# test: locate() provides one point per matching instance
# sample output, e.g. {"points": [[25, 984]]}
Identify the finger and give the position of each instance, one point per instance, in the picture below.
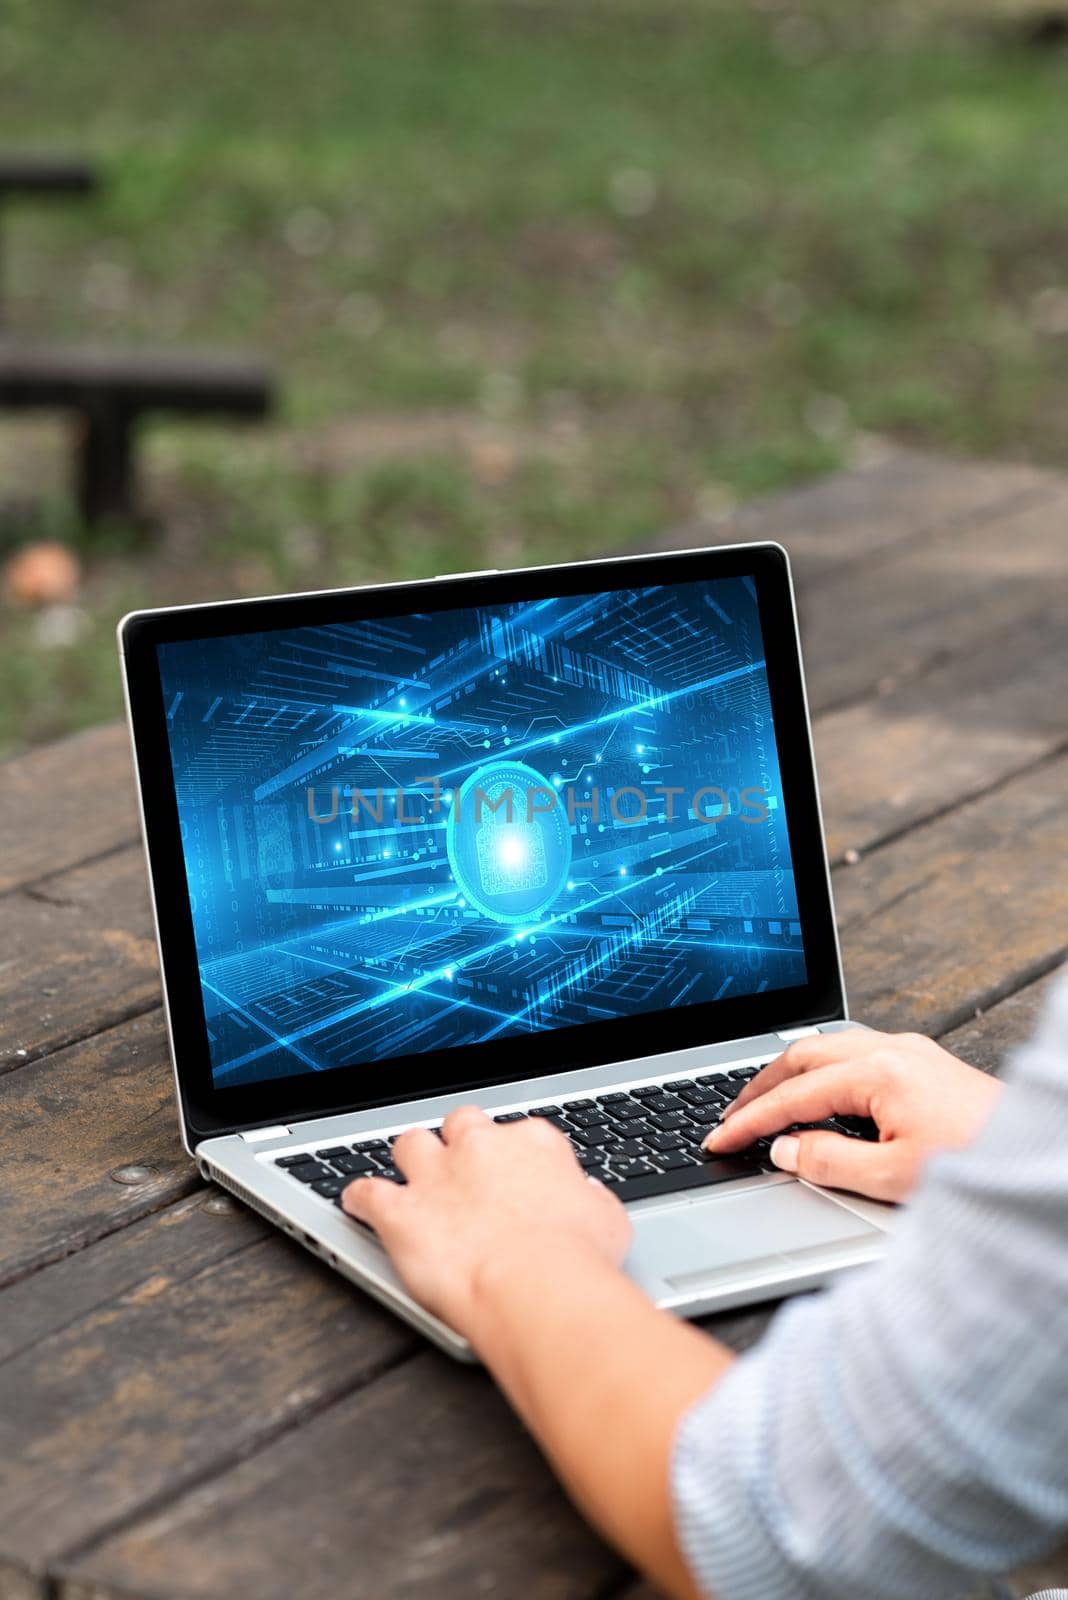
{"points": [[463, 1121], [843, 1089], [835, 1162], [372, 1200], [417, 1151], [805, 1055]]}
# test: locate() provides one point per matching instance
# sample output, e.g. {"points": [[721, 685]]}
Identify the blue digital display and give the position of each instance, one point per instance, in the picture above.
{"points": [[429, 831]]}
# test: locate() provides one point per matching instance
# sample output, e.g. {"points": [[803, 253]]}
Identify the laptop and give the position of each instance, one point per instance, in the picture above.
{"points": [[547, 842]]}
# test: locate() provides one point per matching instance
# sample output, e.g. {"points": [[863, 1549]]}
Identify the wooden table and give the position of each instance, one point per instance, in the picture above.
{"points": [[191, 1406]]}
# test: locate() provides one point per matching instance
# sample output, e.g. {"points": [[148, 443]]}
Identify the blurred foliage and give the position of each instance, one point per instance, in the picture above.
{"points": [[540, 278]]}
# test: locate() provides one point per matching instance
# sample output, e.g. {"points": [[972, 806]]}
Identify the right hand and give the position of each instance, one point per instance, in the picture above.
{"points": [[921, 1098]]}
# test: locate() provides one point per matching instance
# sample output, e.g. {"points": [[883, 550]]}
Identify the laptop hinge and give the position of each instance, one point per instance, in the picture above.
{"points": [[255, 1135], [796, 1033]]}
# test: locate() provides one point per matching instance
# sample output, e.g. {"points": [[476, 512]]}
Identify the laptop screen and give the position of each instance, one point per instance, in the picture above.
{"points": [[438, 830]]}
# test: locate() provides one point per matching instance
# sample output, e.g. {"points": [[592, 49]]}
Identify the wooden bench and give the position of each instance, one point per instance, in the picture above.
{"points": [[190, 1405], [110, 390]]}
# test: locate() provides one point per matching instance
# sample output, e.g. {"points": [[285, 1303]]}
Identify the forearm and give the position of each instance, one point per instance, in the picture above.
{"points": [[601, 1378]]}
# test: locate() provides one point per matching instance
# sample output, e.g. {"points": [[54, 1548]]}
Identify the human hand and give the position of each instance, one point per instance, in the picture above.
{"points": [[481, 1193], [921, 1098]]}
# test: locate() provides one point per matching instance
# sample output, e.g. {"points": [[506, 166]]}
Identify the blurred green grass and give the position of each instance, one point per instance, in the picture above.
{"points": [[540, 278]]}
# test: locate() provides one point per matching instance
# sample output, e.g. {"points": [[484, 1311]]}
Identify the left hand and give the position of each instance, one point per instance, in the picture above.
{"points": [[480, 1194]]}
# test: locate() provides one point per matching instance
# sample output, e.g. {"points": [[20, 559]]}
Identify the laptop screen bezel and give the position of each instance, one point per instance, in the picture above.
{"points": [[208, 1110]]}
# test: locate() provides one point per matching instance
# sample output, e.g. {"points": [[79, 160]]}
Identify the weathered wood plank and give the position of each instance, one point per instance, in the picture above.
{"points": [[421, 1485], [66, 803], [889, 762], [77, 954], [960, 911], [868, 625], [987, 1039], [205, 1341], [845, 520], [180, 1239], [67, 1123]]}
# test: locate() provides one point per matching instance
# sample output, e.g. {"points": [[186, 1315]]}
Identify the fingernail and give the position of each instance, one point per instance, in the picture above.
{"points": [[710, 1140], [785, 1152]]}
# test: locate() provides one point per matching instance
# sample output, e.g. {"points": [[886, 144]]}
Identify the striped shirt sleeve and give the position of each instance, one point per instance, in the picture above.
{"points": [[907, 1431]]}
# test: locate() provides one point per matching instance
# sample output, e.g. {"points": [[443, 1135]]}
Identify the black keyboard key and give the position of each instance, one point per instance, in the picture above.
{"points": [[355, 1166], [611, 1099], [743, 1074], [334, 1150], [630, 1148], [590, 1137], [635, 1169], [292, 1161], [700, 1175], [593, 1118], [633, 1128], [544, 1111], [589, 1159], [625, 1108], [678, 1084], [704, 1116], [712, 1080], [369, 1145], [670, 1122], [329, 1188], [391, 1173], [665, 1141], [578, 1105], [646, 1091], [310, 1172], [511, 1116], [703, 1097], [671, 1160], [664, 1102]]}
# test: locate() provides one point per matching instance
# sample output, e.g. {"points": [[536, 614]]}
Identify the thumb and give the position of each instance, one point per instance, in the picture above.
{"points": [[835, 1162]]}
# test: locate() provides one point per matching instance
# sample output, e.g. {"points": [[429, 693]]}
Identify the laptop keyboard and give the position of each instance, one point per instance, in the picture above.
{"points": [[643, 1141]]}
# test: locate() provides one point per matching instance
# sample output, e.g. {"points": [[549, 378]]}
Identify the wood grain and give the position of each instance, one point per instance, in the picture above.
{"points": [[843, 522], [987, 1039], [65, 803], [421, 1486], [68, 1122], [181, 1238], [961, 587], [961, 911], [77, 955], [890, 762], [205, 1340]]}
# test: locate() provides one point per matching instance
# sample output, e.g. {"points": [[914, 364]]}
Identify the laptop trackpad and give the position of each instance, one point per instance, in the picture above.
{"points": [[698, 1246]]}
